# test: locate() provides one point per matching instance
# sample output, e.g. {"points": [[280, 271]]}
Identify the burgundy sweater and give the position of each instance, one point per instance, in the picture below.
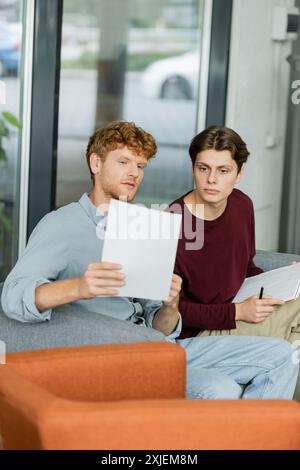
{"points": [[213, 274]]}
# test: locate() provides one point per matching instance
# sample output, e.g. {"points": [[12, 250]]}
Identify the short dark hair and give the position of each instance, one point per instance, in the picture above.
{"points": [[120, 134], [220, 138]]}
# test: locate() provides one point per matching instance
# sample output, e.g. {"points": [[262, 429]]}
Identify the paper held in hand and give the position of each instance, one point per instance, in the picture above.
{"points": [[282, 284], [144, 241]]}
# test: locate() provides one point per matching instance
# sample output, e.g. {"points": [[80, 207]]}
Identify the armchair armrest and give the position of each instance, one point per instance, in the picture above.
{"points": [[176, 425], [105, 372], [58, 399], [41, 421]]}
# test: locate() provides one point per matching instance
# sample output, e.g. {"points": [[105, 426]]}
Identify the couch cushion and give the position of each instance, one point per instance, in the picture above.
{"points": [[72, 326], [268, 260]]}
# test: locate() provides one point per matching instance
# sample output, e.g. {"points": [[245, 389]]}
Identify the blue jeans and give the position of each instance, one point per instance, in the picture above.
{"points": [[239, 367]]}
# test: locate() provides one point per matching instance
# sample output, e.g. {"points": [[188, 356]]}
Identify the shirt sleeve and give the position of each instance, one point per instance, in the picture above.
{"points": [[44, 258], [252, 269], [176, 332], [148, 310], [207, 317]]}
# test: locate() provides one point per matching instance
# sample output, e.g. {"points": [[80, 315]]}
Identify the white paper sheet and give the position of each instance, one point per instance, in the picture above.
{"points": [[281, 283], [144, 241]]}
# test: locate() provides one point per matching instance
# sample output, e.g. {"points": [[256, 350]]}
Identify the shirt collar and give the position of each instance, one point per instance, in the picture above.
{"points": [[91, 210]]}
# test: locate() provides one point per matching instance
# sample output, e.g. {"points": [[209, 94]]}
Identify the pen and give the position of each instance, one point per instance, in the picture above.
{"points": [[261, 292]]}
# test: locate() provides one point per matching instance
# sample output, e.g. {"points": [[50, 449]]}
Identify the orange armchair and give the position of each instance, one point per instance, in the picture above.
{"points": [[128, 396]]}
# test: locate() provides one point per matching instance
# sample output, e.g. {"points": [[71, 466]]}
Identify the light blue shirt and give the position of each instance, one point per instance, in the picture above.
{"points": [[61, 246]]}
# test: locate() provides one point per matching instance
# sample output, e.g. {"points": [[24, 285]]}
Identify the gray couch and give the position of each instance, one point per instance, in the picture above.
{"points": [[72, 326]]}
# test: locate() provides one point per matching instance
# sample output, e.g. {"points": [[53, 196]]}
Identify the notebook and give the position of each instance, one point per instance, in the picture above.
{"points": [[282, 284]]}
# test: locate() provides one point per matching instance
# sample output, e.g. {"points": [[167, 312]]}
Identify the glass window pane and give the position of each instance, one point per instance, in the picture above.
{"points": [[133, 60], [10, 54]]}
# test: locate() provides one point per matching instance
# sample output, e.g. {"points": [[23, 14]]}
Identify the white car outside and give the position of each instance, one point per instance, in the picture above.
{"points": [[173, 78]]}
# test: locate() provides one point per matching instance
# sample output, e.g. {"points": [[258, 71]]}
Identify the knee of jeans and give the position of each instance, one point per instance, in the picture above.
{"points": [[226, 390], [285, 352], [218, 388]]}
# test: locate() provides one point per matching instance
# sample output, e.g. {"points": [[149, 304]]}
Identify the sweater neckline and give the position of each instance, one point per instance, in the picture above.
{"points": [[207, 223]]}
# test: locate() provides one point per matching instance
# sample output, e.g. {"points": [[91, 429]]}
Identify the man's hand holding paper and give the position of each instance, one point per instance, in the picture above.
{"points": [[100, 279], [173, 297]]}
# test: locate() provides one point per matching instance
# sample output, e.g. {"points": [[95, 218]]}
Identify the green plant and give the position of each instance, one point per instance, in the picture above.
{"points": [[7, 120]]}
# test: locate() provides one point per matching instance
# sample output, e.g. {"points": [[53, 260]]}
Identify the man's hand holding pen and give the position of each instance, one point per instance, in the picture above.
{"points": [[256, 309]]}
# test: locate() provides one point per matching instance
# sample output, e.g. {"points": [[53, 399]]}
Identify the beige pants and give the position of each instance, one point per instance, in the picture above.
{"points": [[283, 323]]}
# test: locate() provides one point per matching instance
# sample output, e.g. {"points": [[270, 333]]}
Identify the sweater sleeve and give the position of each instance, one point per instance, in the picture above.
{"points": [[252, 269], [207, 317]]}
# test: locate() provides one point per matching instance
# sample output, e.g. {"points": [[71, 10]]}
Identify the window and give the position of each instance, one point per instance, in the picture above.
{"points": [[11, 26], [133, 60]]}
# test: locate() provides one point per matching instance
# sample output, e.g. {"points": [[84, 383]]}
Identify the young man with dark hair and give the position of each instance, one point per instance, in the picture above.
{"points": [[61, 265], [213, 274]]}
